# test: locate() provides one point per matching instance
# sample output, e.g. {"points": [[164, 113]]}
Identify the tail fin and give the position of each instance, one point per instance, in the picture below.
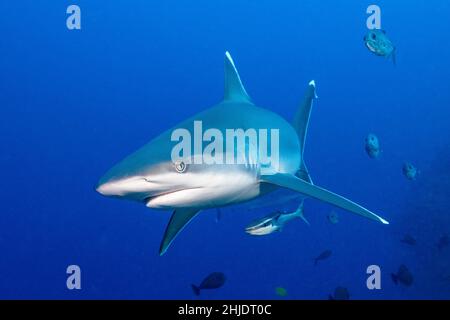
{"points": [[301, 118], [195, 289], [300, 124], [300, 213]]}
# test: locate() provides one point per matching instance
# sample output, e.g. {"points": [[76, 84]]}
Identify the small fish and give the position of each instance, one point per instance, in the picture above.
{"points": [[443, 242], [372, 146], [324, 255], [409, 171], [275, 222], [378, 43], [333, 217], [403, 276], [280, 291], [213, 281], [408, 239], [340, 293]]}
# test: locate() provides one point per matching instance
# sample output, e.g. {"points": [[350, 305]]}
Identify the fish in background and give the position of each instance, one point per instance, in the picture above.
{"points": [[333, 217], [323, 256], [409, 171], [409, 239], [340, 293], [280, 291], [275, 222], [443, 242], [213, 281], [372, 146], [378, 43], [403, 276]]}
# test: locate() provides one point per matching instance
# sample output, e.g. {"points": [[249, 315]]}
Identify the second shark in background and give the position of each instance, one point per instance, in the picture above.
{"points": [[275, 222]]}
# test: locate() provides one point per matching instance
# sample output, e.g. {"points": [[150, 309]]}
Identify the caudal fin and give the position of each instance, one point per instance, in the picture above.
{"points": [[300, 124], [300, 213], [195, 289]]}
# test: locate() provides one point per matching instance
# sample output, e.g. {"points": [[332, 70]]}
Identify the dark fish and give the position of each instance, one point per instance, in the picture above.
{"points": [[324, 255], [409, 171], [333, 217], [372, 146], [443, 242], [408, 239], [280, 291], [340, 293], [403, 276], [379, 44], [213, 281]]}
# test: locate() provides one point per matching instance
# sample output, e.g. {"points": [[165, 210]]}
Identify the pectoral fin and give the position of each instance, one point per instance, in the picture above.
{"points": [[291, 182], [180, 218]]}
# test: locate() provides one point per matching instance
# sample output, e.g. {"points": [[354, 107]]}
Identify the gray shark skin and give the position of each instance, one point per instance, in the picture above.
{"points": [[150, 176]]}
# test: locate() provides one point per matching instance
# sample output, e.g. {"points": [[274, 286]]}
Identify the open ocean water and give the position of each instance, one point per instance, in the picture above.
{"points": [[75, 102]]}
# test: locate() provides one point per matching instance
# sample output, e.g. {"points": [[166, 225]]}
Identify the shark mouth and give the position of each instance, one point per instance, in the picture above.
{"points": [[260, 227], [146, 200], [150, 200]]}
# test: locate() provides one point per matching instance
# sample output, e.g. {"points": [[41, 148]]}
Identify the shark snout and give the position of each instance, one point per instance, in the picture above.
{"points": [[135, 188], [106, 189]]}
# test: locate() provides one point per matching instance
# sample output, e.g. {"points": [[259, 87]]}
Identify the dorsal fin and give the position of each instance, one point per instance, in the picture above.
{"points": [[234, 90]]}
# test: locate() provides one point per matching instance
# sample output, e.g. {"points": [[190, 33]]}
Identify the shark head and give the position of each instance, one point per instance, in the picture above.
{"points": [[143, 175], [264, 226], [152, 175], [149, 182], [162, 183]]}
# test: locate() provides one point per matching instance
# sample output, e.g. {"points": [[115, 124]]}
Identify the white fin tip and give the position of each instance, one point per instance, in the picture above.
{"points": [[228, 55]]}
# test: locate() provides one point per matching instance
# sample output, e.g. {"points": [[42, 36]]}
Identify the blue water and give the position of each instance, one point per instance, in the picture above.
{"points": [[73, 103]]}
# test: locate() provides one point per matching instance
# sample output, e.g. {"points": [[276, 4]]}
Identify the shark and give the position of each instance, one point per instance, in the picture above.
{"points": [[275, 221], [151, 176]]}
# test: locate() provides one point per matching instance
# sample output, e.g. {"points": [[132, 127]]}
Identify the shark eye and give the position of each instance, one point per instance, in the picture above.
{"points": [[180, 166], [374, 36]]}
